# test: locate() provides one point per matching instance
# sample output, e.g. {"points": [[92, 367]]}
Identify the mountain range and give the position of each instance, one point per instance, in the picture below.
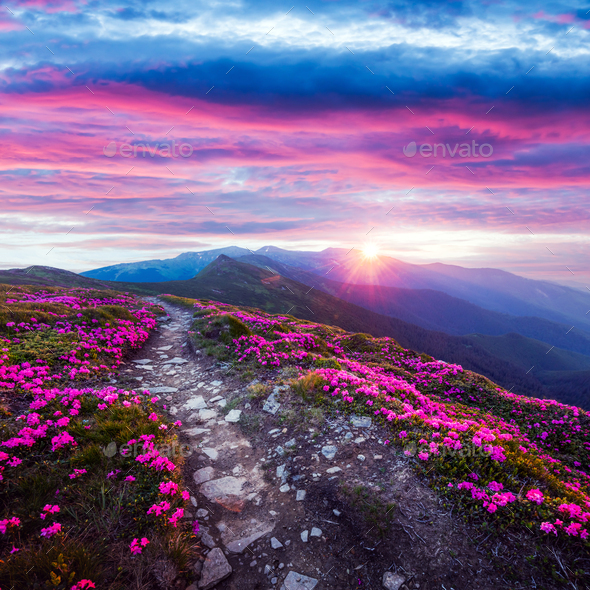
{"points": [[536, 352]]}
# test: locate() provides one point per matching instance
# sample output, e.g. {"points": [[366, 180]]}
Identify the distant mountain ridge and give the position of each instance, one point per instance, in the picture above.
{"points": [[182, 267], [435, 310], [564, 375], [232, 281]]}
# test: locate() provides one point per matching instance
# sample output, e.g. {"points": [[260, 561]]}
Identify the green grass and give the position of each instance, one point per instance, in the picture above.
{"points": [[99, 513]]}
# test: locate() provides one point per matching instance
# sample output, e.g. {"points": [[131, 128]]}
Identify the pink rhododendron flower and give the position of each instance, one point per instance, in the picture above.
{"points": [[48, 509], [9, 522], [535, 496], [52, 530], [136, 546]]}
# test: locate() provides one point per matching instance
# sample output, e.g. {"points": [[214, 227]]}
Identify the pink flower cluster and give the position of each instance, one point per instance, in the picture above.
{"points": [[137, 546]]}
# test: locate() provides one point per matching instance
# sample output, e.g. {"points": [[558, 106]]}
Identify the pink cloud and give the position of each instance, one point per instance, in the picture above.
{"points": [[260, 173]]}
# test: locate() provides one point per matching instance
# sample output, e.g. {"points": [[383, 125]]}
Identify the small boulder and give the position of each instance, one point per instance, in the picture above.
{"points": [[215, 569], [392, 581]]}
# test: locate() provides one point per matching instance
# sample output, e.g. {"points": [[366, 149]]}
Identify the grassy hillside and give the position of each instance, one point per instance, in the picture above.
{"points": [[234, 282], [435, 310], [74, 512], [515, 467]]}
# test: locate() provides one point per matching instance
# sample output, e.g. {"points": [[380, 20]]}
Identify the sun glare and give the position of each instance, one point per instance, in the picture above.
{"points": [[370, 251]]}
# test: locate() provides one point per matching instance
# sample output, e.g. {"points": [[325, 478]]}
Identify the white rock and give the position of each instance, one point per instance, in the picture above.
{"points": [[211, 453], [165, 347], [275, 543], [215, 569], [205, 415], [300, 495], [305, 536], [223, 487], [143, 361], [202, 475], [329, 451], [271, 405], [333, 470], [359, 440], [315, 532], [196, 431], [163, 389], [295, 581], [215, 399], [195, 403], [361, 421], [176, 361], [285, 488], [360, 457], [392, 581], [233, 416]]}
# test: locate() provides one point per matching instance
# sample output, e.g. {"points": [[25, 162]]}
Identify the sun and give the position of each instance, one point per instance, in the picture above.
{"points": [[371, 251]]}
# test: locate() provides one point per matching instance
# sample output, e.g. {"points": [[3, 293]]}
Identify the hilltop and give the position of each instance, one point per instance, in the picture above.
{"points": [[470, 474]]}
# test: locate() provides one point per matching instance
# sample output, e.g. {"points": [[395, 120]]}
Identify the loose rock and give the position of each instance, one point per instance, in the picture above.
{"points": [[392, 581], [215, 569]]}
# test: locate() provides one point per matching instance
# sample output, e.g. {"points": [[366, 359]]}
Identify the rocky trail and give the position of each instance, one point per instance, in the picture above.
{"points": [[288, 502]]}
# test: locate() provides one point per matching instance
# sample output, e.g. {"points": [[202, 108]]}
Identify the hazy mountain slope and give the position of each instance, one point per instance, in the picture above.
{"points": [[503, 292], [435, 310], [47, 275], [182, 267], [235, 282], [491, 289]]}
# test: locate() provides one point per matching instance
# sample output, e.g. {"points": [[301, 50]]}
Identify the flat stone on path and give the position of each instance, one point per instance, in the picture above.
{"points": [[392, 581], [275, 543], [233, 416], [205, 415], [251, 531], [163, 389], [176, 361], [300, 495], [216, 383], [211, 453], [315, 532], [361, 421], [215, 569], [195, 403], [143, 361], [223, 487], [202, 475], [165, 347], [196, 431], [295, 581], [305, 536], [333, 470], [329, 452]]}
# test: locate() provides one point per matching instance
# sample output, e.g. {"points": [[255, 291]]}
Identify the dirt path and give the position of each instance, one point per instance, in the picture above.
{"points": [[295, 504]]}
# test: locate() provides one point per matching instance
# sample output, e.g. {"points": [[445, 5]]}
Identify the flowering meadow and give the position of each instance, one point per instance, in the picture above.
{"points": [[512, 464], [88, 489]]}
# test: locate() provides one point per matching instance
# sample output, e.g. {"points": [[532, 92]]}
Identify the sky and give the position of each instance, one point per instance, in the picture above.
{"points": [[451, 131]]}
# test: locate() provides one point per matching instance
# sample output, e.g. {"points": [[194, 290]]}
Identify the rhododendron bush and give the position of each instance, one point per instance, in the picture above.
{"points": [[64, 497], [512, 459]]}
